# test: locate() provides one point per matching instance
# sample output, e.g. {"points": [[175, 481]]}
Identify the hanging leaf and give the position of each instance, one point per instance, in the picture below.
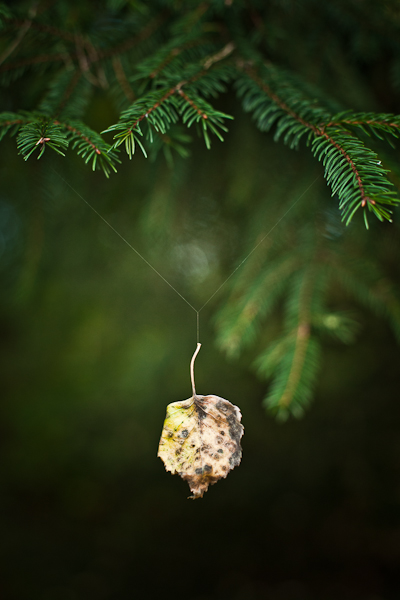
{"points": [[200, 439]]}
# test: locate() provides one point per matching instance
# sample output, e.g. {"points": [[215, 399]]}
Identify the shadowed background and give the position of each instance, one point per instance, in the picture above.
{"points": [[94, 345]]}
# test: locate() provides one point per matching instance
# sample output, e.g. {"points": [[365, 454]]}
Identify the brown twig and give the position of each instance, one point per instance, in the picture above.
{"points": [[79, 133], [146, 32], [150, 110], [369, 122], [25, 26], [303, 332], [189, 101], [15, 122], [119, 49], [40, 58], [174, 52], [226, 51], [72, 85], [59, 33], [122, 80]]}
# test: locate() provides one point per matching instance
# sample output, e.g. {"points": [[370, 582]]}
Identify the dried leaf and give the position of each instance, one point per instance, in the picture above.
{"points": [[201, 440]]}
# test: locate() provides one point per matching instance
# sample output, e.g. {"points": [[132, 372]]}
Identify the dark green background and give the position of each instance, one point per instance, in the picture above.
{"points": [[94, 345]]}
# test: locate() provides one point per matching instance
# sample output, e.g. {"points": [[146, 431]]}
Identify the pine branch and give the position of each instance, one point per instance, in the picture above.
{"points": [[176, 139], [122, 79], [10, 123], [169, 61], [194, 109], [83, 51], [25, 26], [36, 132], [38, 59], [294, 376], [353, 170], [160, 110], [354, 173], [156, 108], [149, 29], [239, 321], [90, 146], [179, 66], [39, 134], [42, 27], [67, 97], [369, 123]]}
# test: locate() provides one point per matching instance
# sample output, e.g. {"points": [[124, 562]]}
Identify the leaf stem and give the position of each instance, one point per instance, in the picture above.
{"points": [[192, 369]]}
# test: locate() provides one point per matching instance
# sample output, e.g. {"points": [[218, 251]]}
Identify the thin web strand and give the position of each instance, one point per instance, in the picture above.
{"points": [[260, 242], [126, 242], [159, 274]]}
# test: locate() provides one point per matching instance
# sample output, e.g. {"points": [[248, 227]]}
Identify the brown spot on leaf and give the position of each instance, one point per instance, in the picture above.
{"points": [[234, 459]]}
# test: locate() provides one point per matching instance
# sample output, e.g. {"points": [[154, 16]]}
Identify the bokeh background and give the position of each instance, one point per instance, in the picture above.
{"points": [[94, 345]]}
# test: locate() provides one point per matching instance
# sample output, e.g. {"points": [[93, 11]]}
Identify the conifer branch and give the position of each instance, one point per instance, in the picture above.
{"points": [[10, 123], [122, 79], [363, 184], [189, 63], [36, 132], [388, 123], [131, 42], [170, 66], [299, 356], [68, 92], [160, 109], [38, 59], [91, 147], [39, 134], [76, 133], [95, 55], [43, 27], [220, 55], [295, 375], [192, 104], [251, 301], [25, 26], [321, 132]]}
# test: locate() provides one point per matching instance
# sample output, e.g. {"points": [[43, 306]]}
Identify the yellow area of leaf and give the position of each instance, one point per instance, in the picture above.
{"points": [[200, 440]]}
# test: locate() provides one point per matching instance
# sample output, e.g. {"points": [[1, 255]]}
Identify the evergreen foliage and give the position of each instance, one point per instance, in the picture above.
{"points": [[167, 66], [170, 67]]}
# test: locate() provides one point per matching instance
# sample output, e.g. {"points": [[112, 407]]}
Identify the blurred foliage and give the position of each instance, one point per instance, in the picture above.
{"points": [[94, 345], [135, 70]]}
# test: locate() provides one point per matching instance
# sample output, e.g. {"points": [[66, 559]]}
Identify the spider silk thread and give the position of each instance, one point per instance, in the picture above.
{"points": [[197, 311]]}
